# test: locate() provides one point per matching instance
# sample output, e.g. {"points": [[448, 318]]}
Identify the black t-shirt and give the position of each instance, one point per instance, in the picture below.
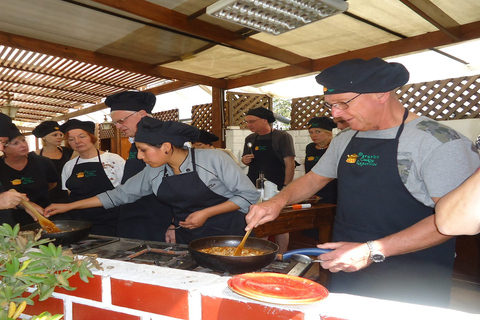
{"points": [[32, 180]]}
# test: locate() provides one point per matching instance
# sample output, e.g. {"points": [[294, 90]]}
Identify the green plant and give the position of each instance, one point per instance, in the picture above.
{"points": [[27, 273]]}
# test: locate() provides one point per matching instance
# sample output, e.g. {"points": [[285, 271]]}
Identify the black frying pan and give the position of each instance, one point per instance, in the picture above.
{"points": [[232, 264], [72, 231]]}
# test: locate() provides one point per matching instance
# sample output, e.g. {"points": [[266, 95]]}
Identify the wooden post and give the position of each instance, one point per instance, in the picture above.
{"points": [[218, 118]]}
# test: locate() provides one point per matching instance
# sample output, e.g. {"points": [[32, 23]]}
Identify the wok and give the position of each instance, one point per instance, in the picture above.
{"points": [[72, 231], [232, 264]]}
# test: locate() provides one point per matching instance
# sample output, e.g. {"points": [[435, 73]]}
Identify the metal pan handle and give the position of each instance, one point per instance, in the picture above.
{"points": [[305, 251]]}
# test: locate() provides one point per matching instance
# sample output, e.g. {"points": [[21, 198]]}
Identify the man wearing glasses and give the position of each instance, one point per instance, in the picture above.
{"points": [[392, 167], [146, 218]]}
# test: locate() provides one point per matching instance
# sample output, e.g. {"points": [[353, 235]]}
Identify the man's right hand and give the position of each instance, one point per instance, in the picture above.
{"points": [[246, 159], [10, 199], [262, 213]]}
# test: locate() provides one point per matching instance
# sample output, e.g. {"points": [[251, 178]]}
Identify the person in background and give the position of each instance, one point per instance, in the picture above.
{"points": [[272, 152], [30, 175], [147, 218], [341, 124], [392, 167], [320, 130], [208, 192], [458, 212], [90, 173], [206, 140], [52, 138]]}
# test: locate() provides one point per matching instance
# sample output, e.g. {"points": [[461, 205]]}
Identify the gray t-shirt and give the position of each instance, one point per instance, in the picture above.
{"points": [[282, 143], [433, 159], [214, 167]]}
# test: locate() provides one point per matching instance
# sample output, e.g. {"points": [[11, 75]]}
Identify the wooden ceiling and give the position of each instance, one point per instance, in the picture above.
{"points": [[61, 58]]}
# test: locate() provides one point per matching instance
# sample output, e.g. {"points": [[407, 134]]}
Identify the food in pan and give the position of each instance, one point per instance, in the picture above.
{"points": [[228, 251]]}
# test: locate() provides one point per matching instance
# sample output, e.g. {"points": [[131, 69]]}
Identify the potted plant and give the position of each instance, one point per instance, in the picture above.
{"points": [[27, 273]]}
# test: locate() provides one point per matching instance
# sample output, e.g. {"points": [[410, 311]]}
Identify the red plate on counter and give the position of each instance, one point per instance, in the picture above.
{"points": [[277, 288]]}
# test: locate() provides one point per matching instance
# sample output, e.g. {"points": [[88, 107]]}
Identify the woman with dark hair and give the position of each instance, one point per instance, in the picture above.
{"points": [[25, 172], [209, 194], [89, 174], [52, 138]]}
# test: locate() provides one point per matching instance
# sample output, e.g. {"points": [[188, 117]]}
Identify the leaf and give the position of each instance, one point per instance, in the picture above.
{"points": [[46, 294]]}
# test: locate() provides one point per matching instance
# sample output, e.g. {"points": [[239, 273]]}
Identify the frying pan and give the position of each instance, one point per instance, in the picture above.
{"points": [[241, 264], [72, 231], [232, 264]]}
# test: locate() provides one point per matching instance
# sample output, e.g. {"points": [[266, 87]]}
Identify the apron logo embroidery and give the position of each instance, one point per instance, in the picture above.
{"points": [[363, 159], [87, 174], [132, 155], [22, 180], [261, 148], [352, 158]]}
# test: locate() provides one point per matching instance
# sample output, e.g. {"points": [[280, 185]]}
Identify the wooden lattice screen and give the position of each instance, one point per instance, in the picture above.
{"points": [[202, 116], [239, 103], [449, 99], [106, 134], [457, 98], [168, 115]]}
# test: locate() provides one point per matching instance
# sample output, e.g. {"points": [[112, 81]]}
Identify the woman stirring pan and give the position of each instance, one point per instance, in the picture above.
{"points": [[52, 138], [208, 192], [91, 173]]}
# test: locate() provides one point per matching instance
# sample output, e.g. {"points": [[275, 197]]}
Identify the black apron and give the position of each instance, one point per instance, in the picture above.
{"points": [[147, 218], [328, 193], [267, 161], [57, 194], [187, 193], [87, 180], [373, 202]]}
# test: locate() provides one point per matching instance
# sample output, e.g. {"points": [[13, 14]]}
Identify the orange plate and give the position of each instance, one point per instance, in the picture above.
{"points": [[277, 288]]}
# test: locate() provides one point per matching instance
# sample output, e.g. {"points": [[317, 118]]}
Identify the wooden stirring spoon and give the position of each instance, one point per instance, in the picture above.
{"points": [[46, 224], [238, 251]]}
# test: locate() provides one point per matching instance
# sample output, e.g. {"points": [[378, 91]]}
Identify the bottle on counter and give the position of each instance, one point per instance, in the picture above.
{"points": [[260, 184]]}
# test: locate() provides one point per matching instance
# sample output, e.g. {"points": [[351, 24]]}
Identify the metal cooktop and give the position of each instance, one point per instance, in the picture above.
{"points": [[168, 255]]}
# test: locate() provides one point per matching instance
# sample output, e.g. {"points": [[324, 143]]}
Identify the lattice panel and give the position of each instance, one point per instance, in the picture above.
{"points": [[240, 103], [303, 109], [106, 134], [457, 98], [202, 116], [168, 115]]}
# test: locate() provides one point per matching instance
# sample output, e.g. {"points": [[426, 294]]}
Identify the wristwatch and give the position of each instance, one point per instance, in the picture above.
{"points": [[375, 255]]}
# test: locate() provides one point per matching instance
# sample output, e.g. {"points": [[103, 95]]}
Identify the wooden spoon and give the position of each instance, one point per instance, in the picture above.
{"points": [[46, 224], [238, 251]]}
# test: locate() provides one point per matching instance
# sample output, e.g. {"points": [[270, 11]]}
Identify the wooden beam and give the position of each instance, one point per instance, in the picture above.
{"points": [[202, 29], [54, 49], [169, 87], [426, 41], [436, 16]]}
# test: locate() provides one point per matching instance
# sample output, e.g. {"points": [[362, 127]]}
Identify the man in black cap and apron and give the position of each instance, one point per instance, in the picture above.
{"points": [[146, 218], [392, 167], [270, 151]]}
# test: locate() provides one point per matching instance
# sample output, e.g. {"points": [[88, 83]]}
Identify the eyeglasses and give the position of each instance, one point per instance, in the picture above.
{"points": [[122, 121], [251, 121], [15, 143], [340, 105]]}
